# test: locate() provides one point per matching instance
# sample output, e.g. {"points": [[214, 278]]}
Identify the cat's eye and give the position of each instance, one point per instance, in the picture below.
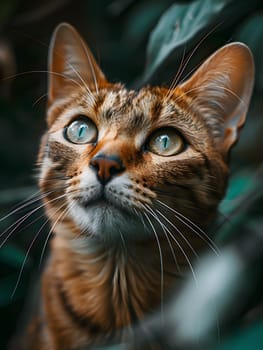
{"points": [[166, 142], [81, 131]]}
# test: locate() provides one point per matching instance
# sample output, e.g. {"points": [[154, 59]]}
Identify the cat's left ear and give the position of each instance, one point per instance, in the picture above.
{"points": [[71, 64], [221, 89]]}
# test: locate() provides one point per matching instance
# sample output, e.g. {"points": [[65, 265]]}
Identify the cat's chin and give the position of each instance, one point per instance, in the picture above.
{"points": [[108, 222]]}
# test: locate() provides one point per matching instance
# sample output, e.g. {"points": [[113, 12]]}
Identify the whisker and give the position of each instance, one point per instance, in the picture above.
{"points": [[196, 229], [18, 223], [82, 80], [14, 226], [39, 99], [42, 71], [77, 73], [23, 204], [180, 233], [163, 226], [123, 241], [91, 66], [27, 254], [174, 81], [183, 252], [32, 199], [161, 260], [218, 87], [64, 76], [140, 215], [60, 217], [191, 55], [32, 222]]}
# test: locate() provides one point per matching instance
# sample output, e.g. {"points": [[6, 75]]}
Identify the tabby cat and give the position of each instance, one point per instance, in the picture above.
{"points": [[130, 179]]}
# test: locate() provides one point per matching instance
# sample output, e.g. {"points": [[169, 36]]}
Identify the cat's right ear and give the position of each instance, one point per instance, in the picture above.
{"points": [[71, 64], [220, 90]]}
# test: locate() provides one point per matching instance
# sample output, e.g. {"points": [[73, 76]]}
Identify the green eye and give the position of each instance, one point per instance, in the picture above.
{"points": [[81, 131], [166, 142]]}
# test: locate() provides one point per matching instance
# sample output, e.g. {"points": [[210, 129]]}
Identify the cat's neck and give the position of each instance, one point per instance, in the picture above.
{"points": [[101, 290], [114, 286]]}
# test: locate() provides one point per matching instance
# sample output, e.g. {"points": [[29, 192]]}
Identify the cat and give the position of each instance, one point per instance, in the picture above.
{"points": [[130, 179]]}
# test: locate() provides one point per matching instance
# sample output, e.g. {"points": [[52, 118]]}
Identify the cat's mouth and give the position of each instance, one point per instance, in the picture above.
{"points": [[107, 216], [103, 201]]}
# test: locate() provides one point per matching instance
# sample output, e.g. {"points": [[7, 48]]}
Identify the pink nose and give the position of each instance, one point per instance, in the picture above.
{"points": [[106, 167]]}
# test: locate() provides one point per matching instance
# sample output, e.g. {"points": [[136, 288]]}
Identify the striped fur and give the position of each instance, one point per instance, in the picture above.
{"points": [[118, 249]]}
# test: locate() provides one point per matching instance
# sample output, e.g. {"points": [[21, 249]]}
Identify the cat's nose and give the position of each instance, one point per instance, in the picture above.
{"points": [[106, 166]]}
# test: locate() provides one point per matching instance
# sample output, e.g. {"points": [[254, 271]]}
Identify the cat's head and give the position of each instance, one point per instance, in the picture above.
{"points": [[121, 162]]}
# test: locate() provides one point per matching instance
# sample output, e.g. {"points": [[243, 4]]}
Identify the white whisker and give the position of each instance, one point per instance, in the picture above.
{"points": [[178, 231], [19, 222], [164, 228], [26, 256], [59, 218], [91, 66], [30, 200], [175, 79], [196, 229], [183, 252], [184, 65], [161, 260]]}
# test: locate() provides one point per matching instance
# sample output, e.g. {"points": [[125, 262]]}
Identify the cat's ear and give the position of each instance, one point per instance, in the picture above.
{"points": [[71, 64], [221, 89]]}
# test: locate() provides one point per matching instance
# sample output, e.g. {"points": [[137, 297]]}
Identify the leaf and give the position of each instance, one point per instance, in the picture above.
{"points": [[245, 193], [251, 338], [141, 20], [251, 33], [184, 23], [12, 256], [239, 186]]}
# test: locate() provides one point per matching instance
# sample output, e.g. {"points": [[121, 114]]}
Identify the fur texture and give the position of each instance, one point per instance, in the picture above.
{"points": [[124, 218]]}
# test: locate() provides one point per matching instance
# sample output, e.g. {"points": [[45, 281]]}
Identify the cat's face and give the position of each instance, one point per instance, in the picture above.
{"points": [[122, 152], [117, 162]]}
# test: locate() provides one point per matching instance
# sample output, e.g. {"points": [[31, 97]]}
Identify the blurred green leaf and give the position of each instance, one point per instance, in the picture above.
{"points": [[247, 339], [251, 33], [12, 256], [240, 185], [141, 20], [185, 23], [178, 25], [245, 192]]}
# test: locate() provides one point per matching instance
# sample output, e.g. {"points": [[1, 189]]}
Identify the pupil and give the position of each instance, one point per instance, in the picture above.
{"points": [[81, 131], [165, 141]]}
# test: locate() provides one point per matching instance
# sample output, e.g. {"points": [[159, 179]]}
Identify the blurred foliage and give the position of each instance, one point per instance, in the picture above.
{"points": [[184, 24], [136, 42], [246, 339]]}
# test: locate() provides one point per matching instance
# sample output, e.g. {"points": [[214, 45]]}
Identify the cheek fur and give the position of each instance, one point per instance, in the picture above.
{"points": [[192, 186], [62, 156]]}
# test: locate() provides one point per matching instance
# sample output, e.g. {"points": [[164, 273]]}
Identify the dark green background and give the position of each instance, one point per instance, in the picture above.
{"points": [[134, 46]]}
